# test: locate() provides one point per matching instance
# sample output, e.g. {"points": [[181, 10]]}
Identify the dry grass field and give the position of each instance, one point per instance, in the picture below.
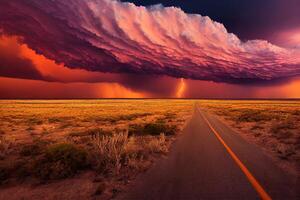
{"points": [[51, 141], [273, 125], [81, 149]]}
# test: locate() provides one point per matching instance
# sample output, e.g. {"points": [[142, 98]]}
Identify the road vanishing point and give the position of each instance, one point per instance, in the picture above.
{"points": [[210, 161]]}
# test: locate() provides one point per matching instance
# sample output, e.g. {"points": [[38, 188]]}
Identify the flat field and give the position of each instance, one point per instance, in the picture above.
{"points": [[82, 149], [46, 140], [56, 119], [272, 125]]}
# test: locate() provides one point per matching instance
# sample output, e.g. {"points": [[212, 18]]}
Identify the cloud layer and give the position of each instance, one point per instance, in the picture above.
{"points": [[13, 64], [110, 36]]}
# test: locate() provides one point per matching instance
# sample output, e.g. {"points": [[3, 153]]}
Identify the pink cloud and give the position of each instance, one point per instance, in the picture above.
{"points": [[111, 36]]}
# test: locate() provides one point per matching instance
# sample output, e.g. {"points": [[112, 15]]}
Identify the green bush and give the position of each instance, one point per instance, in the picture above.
{"points": [[60, 161]]}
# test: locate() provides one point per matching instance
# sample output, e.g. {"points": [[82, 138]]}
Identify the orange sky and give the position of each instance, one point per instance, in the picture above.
{"points": [[21, 88]]}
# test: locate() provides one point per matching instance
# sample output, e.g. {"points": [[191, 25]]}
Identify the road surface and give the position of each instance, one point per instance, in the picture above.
{"points": [[200, 167]]}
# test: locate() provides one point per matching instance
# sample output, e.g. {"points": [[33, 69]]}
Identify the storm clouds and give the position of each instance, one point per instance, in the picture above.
{"points": [[112, 36]]}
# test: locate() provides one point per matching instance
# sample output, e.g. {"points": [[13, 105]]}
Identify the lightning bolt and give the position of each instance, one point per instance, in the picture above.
{"points": [[181, 89]]}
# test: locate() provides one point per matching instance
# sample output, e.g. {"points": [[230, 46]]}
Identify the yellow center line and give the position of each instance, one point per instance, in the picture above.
{"points": [[259, 189]]}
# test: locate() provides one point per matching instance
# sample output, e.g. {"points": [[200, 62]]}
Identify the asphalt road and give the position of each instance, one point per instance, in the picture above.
{"points": [[200, 167]]}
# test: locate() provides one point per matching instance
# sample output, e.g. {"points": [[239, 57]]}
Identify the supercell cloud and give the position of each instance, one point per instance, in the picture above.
{"points": [[111, 36]]}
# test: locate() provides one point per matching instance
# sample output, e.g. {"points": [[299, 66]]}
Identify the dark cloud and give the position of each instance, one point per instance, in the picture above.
{"points": [[162, 86], [18, 68], [12, 64], [110, 36]]}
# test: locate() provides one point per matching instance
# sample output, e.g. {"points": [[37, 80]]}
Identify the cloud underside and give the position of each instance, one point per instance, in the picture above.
{"points": [[110, 36], [13, 64]]}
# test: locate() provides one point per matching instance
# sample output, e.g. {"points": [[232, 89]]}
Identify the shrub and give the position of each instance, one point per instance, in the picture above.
{"points": [[111, 151], [90, 132], [157, 145], [285, 151], [60, 161], [285, 125], [170, 115], [155, 128], [32, 149], [296, 112], [121, 151], [252, 116], [4, 174], [257, 127], [283, 130], [55, 120], [126, 117], [135, 129], [65, 125], [100, 189], [21, 169], [158, 128], [5, 147], [30, 128], [34, 121]]}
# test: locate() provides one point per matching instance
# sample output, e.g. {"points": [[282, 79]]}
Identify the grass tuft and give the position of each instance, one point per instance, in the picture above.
{"points": [[157, 145], [111, 151]]}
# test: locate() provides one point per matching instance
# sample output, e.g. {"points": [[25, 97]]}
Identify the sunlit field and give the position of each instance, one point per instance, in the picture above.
{"points": [[273, 125], [99, 146], [47, 140]]}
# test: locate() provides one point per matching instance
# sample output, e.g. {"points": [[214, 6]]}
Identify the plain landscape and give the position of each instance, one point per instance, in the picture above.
{"points": [[45, 141], [93, 148]]}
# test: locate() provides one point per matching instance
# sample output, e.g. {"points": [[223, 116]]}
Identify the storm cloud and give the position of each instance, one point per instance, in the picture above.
{"points": [[111, 36], [13, 64]]}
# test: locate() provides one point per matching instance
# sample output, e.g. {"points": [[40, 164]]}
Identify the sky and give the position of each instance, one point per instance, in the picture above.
{"points": [[149, 49]]}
